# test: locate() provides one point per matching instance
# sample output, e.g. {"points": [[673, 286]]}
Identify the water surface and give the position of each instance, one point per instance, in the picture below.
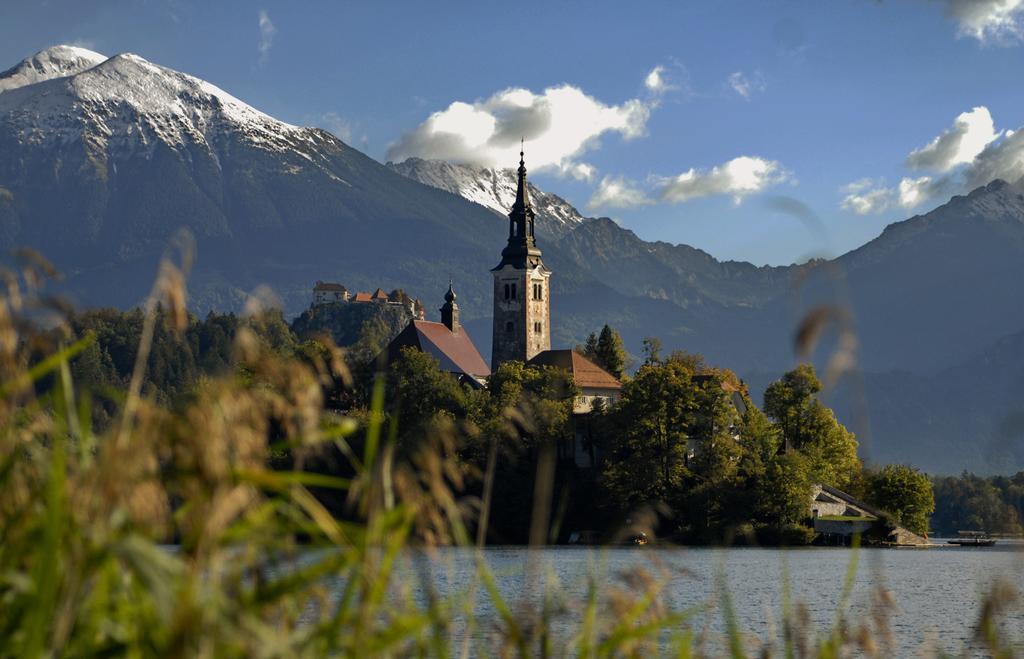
{"points": [[937, 593]]}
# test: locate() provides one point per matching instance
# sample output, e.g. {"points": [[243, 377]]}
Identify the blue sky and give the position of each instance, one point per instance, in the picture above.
{"points": [[761, 112]]}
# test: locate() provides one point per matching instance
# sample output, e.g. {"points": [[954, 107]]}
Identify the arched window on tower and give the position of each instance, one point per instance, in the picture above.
{"points": [[507, 291], [513, 291], [509, 327]]}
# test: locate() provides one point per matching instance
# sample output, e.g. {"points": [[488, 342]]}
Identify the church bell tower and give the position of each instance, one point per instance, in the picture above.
{"points": [[522, 298]]}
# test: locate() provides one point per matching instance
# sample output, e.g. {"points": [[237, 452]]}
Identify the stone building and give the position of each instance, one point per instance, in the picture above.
{"points": [[838, 516], [331, 293], [522, 303], [325, 292]]}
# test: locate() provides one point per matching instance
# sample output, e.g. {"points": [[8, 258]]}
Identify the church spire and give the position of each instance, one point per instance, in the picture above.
{"points": [[522, 191], [521, 250]]}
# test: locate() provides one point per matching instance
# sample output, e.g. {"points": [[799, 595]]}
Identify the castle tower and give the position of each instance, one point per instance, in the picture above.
{"points": [[522, 300], [450, 311]]}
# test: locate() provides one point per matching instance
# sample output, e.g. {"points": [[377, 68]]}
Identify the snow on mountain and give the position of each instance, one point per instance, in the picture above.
{"points": [[55, 62], [63, 94], [492, 188]]}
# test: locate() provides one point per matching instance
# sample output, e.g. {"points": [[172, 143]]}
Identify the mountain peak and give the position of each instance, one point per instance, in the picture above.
{"points": [[493, 188], [127, 100], [54, 62]]}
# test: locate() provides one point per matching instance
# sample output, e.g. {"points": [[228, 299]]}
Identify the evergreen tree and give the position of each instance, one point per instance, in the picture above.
{"points": [[609, 352], [589, 349]]}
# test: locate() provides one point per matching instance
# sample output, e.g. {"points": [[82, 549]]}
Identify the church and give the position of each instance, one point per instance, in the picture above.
{"points": [[521, 329], [522, 300]]}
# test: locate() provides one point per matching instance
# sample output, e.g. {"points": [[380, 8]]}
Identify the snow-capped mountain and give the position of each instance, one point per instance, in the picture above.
{"points": [[65, 93], [494, 189], [103, 159], [56, 62]]}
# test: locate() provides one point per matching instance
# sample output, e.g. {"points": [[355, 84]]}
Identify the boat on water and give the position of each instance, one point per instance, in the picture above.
{"points": [[973, 539]]}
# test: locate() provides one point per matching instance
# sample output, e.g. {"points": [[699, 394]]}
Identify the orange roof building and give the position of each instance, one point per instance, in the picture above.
{"points": [[593, 381], [447, 341]]}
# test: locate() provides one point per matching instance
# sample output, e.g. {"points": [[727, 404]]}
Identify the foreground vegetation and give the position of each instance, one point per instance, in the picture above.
{"points": [[262, 567]]}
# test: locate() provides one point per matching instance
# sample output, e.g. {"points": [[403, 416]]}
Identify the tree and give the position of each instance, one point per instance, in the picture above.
{"points": [[527, 410], [589, 349], [808, 426], [611, 355], [904, 492], [714, 470], [972, 503], [782, 499], [419, 395], [647, 451], [606, 350], [652, 350]]}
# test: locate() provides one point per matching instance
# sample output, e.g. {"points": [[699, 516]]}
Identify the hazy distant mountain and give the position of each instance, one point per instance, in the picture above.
{"points": [[615, 255], [925, 294], [935, 289], [103, 159]]}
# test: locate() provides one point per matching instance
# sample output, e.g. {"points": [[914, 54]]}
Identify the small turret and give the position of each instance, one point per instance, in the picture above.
{"points": [[450, 311]]}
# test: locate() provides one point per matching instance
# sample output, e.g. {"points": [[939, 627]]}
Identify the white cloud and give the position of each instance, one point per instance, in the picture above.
{"points": [[988, 21], [88, 44], [267, 32], [1003, 159], [867, 197], [559, 125], [655, 81], [739, 177], [580, 171], [336, 124], [970, 154], [971, 133], [617, 192], [913, 191], [745, 86]]}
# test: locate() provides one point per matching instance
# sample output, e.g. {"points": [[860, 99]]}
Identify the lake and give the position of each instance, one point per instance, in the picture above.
{"points": [[937, 593]]}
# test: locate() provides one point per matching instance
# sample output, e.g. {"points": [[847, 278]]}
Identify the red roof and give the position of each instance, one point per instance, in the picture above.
{"points": [[456, 352], [584, 372], [379, 294], [363, 297]]}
